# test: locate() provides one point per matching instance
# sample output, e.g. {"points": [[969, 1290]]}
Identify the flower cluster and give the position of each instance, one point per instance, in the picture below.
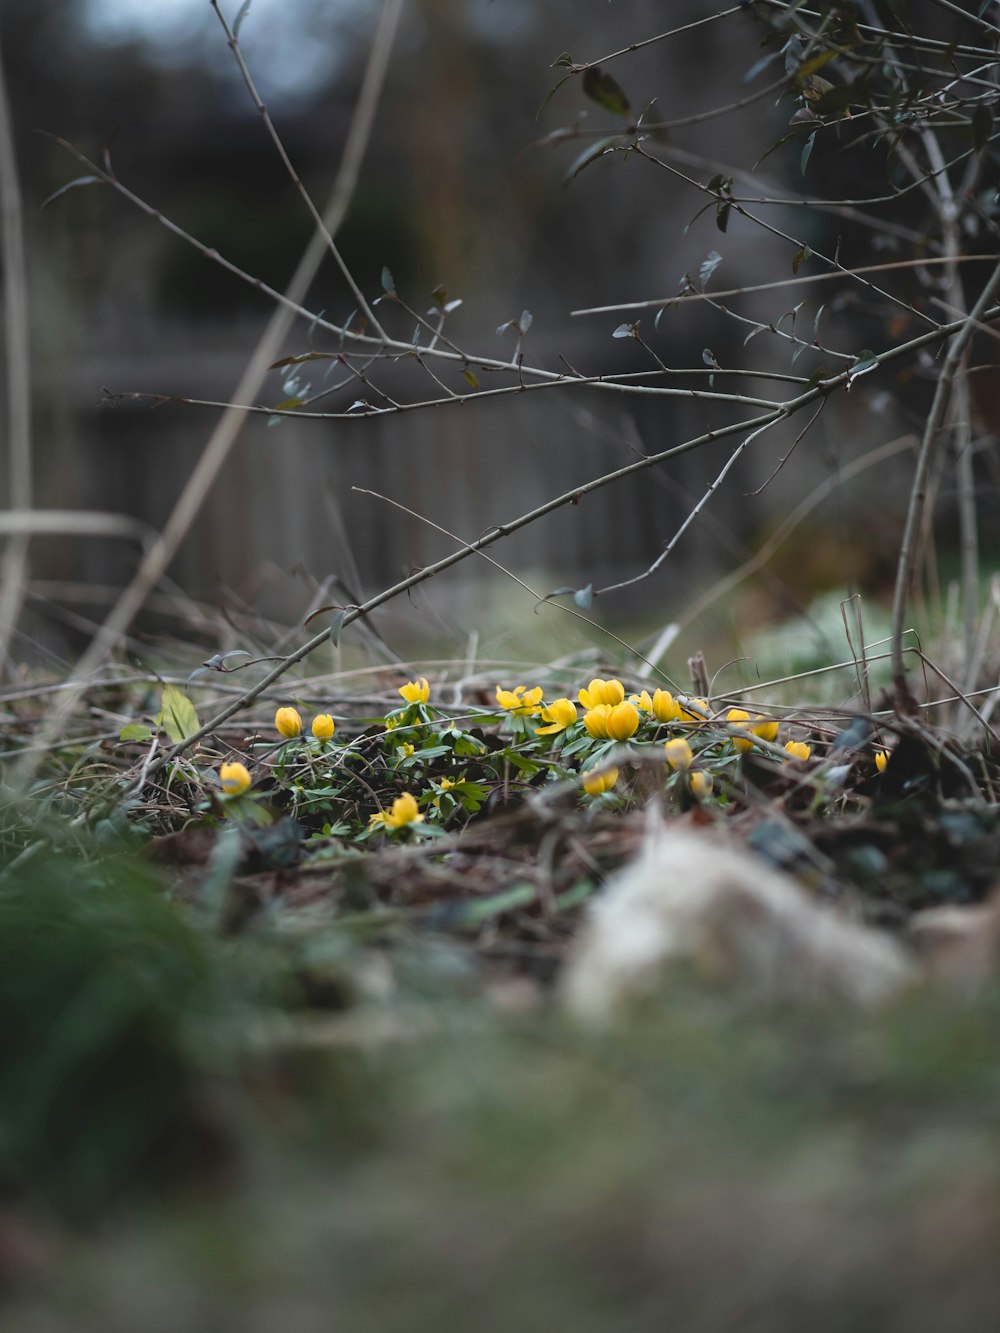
{"points": [[288, 723], [439, 770]]}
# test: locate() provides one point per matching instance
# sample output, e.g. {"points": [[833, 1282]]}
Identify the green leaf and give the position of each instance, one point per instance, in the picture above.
{"points": [[819, 374], [722, 216], [388, 282], [177, 714], [336, 625], [470, 378], [866, 360], [605, 90], [807, 152], [475, 914], [562, 61], [297, 360], [288, 405], [589, 155], [799, 256], [135, 731]]}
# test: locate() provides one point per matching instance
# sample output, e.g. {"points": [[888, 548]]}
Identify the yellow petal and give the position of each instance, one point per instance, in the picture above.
{"points": [[235, 778], [288, 723]]}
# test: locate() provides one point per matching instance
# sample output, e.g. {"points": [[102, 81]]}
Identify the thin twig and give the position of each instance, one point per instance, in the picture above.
{"points": [[318, 220], [17, 372], [918, 494], [216, 451]]}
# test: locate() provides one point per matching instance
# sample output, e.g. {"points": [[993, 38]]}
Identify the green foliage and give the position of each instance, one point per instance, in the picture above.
{"points": [[101, 985]]}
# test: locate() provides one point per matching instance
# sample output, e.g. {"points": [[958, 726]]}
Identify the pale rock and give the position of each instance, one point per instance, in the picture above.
{"points": [[691, 898], [960, 945]]}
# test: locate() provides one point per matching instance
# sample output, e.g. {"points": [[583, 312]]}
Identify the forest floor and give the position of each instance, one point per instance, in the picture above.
{"points": [[270, 1062]]}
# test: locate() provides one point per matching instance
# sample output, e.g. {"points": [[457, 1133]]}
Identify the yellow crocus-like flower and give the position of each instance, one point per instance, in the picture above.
{"points": [[599, 692], [288, 723], [235, 778], [404, 811], [701, 783], [596, 721], [559, 714], [679, 755], [520, 701], [881, 759], [623, 721], [739, 716], [765, 728], [323, 727], [665, 706], [416, 691], [642, 701], [407, 749], [798, 750], [598, 781], [698, 713]]}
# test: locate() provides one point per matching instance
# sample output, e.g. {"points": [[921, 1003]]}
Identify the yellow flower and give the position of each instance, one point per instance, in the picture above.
{"points": [[323, 727], [235, 778], [765, 728], [520, 701], [560, 714], [642, 701], [597, 781], [416, 691], [602, 692], [739, 716], [623, 721], [665, 706], [679, 754], [288, 723], [446, 784], [407, 749], [798, 750], [689, 714], [701, 783], [881, 759], [596, 721], [404, 811]]}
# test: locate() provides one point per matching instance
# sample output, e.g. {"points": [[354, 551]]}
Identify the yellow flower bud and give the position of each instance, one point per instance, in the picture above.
{"points": [[798, 750], [665, 706], [701, 783], [623, 721], [560, 714], [597, 781], [416, 691], [323, 727], [235, 778], [740, 716], [765, 728], [288, 723], [679, 755], [596, 721], [881, 759], [599, 692]]}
